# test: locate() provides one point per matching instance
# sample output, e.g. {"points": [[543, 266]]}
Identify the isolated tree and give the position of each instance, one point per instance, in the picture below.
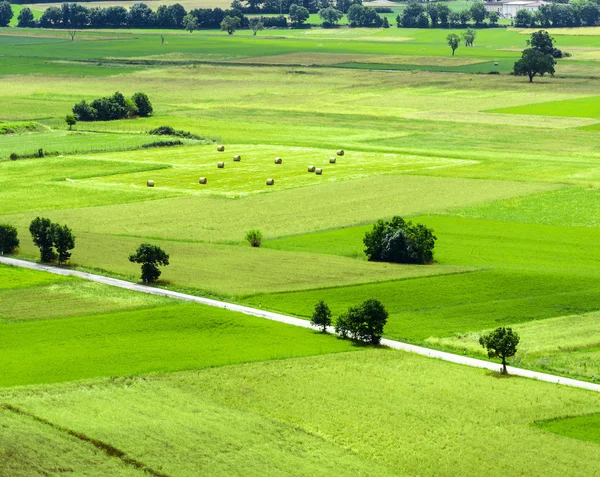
{"points": [[321, 317], [190, 23], [478, 12], [43, 238], [330, 16], [500, 343], [25, 18], [6, 14], [544, 43], [298, 14], [64, 241], [364, 322], [230, 24], [256, 25], [453, 41], [534, 62], [143, 104], [71, 121], [469, 36], [493, 17], [72, 34], [254, 237], [9, 239], [150, 256]]}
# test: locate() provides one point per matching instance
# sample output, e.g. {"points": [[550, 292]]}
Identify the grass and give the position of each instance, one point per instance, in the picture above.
{"points": [[264, 415], [580, 108], [161, 339], [584, 428], [13, 278]]}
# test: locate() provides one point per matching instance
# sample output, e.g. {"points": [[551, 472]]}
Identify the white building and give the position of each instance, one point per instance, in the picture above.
{"points": [[510, 9]]}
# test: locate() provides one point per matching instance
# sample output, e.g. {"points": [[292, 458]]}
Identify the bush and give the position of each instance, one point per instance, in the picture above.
{"points": [[169, 131], [364, 322], [399, 241], [274, 22], [9, 239], [14, 156], [162, 144], [254, 237]]}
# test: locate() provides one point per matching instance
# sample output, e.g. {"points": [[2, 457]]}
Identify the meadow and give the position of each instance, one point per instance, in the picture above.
{"points": [[505, 172]]}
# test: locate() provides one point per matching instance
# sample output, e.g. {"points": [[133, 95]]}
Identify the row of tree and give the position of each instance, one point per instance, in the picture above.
{"points": [[111, 108], [438, 15], [581, 13]]}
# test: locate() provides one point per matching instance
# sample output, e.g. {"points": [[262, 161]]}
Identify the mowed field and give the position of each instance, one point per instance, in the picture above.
{"points": [[98, 381]]}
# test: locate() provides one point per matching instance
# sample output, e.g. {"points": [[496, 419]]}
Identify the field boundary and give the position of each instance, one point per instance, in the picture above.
{"points": [[289, 320], [108, 449]]}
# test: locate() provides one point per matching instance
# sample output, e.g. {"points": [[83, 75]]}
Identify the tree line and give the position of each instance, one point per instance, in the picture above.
{"points": [[438, 15], [582, 13]]}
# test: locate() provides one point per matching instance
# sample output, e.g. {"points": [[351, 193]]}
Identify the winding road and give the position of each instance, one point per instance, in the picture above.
{"points": [[453, 358]]}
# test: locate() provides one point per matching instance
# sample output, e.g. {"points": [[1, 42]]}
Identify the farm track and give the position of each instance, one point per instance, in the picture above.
{"points": [[453, 358]]}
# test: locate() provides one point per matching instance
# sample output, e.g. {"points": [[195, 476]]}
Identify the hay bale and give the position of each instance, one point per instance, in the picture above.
{"points": [[202, 180], [495, 63], [237, 158], [332, 160], [340, 152], [270, 182], [150, 183], [278, 160], [221, 148], [318, 171], [311, 168], [220, 164]]}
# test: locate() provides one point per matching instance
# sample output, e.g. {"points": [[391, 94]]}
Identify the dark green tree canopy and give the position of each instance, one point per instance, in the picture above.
{"points": [[321, 317], [25, 18], [453, 41], [534, 62], [9, 239], [6, 13], [500, 343], [230, 24], [43, 238], [64, 241], [150, 256], [364, 322]]}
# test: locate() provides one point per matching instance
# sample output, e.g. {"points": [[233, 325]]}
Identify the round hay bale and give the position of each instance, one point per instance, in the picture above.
{"points": [[495, 63], [202, 180], [150, 183], [332, 160], [221, 148], [220, 164], [318, 171], [237, 158], [340, 152], [311, 168], [270, 182], [278, 160]]}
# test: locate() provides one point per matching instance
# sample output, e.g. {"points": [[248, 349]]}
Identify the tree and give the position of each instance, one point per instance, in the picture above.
{"points": [[399, 241], [190, 23], [464, 16], [9, 239], [72, 34], [6, 14], [432, 10], [71, 121], [330, 16], [364, 322], [25, 18], [423, 20], [523, 19], [254, 237], [469, 36], [43, 238], [230, 24], [534, 62], [500, 343], [343, 5], [150, 256], [453, 41], [140, 15], [443, 12], [321, 317], [52, 17], [493, 17], [256, 25], [454, 19], [385, 23], [64, 241], [143, 104], [478, 12], [544, 43], [298, 15]]}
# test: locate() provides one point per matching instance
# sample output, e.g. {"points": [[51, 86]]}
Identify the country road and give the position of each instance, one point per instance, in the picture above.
{"points": [[453, 358]]}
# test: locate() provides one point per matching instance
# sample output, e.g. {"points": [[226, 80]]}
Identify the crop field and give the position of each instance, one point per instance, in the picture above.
{"points": [[97, 380]]}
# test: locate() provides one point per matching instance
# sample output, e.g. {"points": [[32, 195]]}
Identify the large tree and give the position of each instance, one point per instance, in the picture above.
{"points": [[230, 24], [500, 343], [25, 18], [298, 15], [364, 322], [330, 16], [9, 239], [190, 23], [43, 238], [534, 62], [6, 13], [478, 12], [64, 241], [453, 41], [150, 256]]}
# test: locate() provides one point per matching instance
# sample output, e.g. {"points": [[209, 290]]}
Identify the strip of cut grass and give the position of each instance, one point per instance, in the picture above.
{"points": [[163, 339], [581, 108], [410, 415], [585, 428], [14, 278]]}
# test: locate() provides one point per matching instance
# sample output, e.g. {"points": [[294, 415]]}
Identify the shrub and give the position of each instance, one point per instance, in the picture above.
{"points": [[364, 322], [162, 144], [321, 317], [254, 237], [70, 120], [399, 241], [169, 131], [9, 239], [14, 156], [150, 256]]}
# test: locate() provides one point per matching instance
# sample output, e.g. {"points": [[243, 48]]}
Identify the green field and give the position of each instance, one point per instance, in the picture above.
{"points": [[101, 381]]}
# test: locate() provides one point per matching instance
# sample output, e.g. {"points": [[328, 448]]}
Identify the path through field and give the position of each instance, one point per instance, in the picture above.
{"points": [[453, 358]]}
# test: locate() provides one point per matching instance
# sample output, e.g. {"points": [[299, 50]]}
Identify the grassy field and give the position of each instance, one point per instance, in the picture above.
{"points": [[504, 171]]}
